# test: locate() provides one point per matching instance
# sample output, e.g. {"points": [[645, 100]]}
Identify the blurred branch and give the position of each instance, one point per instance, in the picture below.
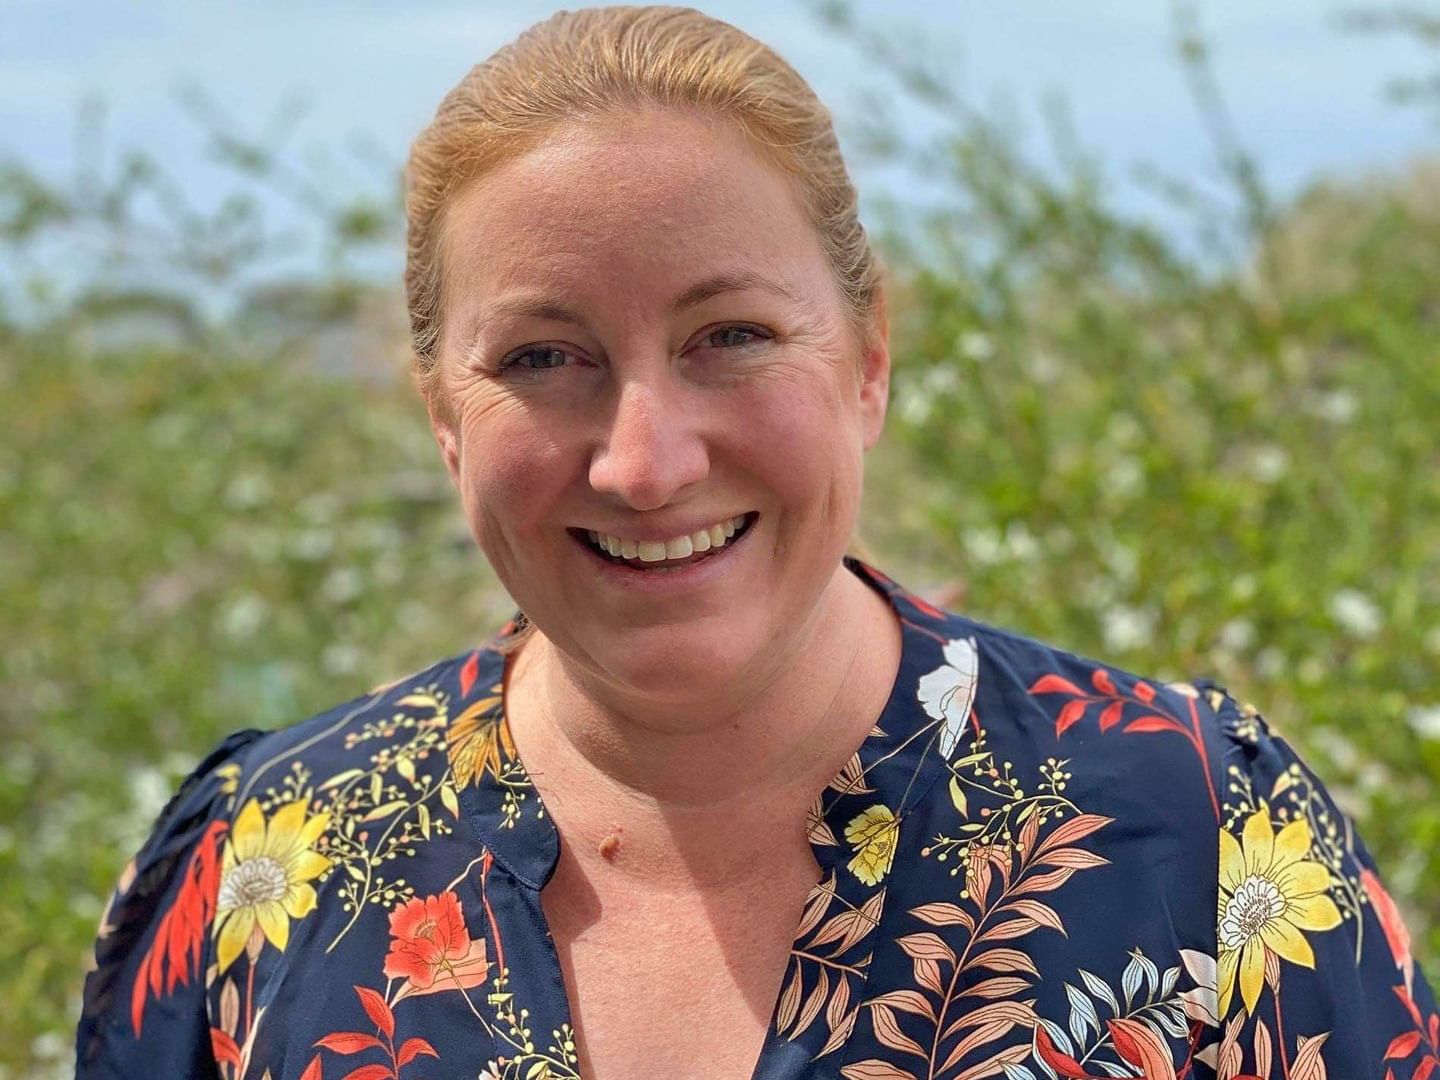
{"points": [[1423, 27], [1236, 162], [123, 221]]}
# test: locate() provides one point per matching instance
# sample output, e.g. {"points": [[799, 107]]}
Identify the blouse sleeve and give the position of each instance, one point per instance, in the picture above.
{"points": [[1314, 971], [143, 1011]]}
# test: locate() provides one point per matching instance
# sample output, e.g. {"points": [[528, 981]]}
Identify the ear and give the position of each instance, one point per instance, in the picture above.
{"points": [[875, 374], [443, 427]]}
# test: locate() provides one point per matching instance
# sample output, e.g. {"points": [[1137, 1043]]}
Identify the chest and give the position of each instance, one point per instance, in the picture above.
{"points": [[682, 983]]}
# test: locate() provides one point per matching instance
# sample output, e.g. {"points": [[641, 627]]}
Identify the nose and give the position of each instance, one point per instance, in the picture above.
{"points": [[653, 449]]}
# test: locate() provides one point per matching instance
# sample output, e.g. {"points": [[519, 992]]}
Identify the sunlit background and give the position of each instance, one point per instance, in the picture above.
{"points": [[1166, 314]]}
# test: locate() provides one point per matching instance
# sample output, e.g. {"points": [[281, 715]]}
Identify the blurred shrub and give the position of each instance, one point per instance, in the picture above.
{"points": [[1225, 463], [192, 544]]}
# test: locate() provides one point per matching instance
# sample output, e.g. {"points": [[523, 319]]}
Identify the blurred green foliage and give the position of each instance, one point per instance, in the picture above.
{"points": [[1225, 463]]}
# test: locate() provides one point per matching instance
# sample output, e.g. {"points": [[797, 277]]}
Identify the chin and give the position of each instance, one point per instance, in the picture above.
{"points": [[684, 667]]}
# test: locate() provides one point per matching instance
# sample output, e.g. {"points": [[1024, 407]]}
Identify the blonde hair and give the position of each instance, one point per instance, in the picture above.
{"points": [[608, 59], [613, 59]]}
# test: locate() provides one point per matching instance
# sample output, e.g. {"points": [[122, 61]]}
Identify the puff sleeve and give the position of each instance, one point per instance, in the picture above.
{"points": [[143, 1012], [1314, 972]]}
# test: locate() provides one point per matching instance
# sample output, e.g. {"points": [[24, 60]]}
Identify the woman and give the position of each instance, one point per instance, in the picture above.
{"points": [[651, 338]]}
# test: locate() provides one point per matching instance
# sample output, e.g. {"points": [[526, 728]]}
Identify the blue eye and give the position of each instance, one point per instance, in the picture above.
{"points": [[545, 356], [536, 358], [754, 332]]}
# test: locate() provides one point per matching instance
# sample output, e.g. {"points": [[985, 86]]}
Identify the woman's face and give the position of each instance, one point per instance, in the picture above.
{"points": [[643, 342]]}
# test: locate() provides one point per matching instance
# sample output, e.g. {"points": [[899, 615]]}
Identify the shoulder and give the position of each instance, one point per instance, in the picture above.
{"points": [[1132, 744], [326, 743], [143, 1010], [1080, 697]]}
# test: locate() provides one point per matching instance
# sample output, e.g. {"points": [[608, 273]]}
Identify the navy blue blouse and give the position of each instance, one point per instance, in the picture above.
{"points": [[1035, 865]]}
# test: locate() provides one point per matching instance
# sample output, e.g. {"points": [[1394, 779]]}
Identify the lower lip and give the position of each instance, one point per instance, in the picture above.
{"points": [[672, 579]]}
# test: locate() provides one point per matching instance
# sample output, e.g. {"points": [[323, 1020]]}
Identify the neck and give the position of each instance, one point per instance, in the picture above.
{"points": [[602, 759]]}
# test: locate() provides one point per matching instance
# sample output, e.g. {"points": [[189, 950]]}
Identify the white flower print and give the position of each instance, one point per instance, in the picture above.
{"points": [[948, 692]]}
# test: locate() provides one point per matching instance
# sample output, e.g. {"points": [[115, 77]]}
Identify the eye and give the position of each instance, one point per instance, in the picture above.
{"points": [[724, 337], [534, 358]]}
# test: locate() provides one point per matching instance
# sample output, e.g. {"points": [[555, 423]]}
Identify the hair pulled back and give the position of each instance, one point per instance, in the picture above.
{"points": [[601, 60]]}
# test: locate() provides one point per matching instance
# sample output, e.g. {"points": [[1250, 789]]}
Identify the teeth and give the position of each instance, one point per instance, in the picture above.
{"points": [[679, 547]]}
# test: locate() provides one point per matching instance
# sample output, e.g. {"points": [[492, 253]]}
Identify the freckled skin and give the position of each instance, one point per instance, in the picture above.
{"points": [[649, 418]]}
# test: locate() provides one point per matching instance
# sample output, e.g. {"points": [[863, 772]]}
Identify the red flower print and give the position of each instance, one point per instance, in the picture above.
{"points": [[431, 949]]}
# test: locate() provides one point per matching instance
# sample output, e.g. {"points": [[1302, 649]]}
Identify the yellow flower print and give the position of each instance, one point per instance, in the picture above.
{"points": [[873, 834], [479, 742], [265, 876], [1269, 892]]}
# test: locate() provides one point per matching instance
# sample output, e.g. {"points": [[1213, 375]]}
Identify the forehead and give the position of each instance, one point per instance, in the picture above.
{"points": [[651, 197]]}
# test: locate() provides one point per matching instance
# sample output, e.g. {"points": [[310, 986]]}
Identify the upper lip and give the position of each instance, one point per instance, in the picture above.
{"points": [[652, 532]]}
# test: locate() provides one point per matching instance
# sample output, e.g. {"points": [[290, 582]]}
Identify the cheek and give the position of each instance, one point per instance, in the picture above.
{"points": [[511, 470], [800, 437]]}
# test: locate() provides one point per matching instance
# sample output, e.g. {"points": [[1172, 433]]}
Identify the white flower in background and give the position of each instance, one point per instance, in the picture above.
{"points": [[342, 584], [1356, 613], [243, 616], [1121, 561], [1269, 464], [941, 378], [1125, 477], [1425, 719], [1237, 635], [340, 659], [948, 692], [913, 404], [983, 545], [312, 545], [1124, 431], [1127, 628], [1243, 587], [975, 345], [1338, 406], [1020, 543], [248, 490]]}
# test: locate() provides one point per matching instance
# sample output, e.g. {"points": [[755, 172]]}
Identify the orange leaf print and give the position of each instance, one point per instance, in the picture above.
{"points": [[1142, 1047], [375, 1008], [875, 1069]]}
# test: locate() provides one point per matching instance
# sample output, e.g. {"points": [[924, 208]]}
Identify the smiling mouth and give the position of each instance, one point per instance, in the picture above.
{"points": [[649, 556]]}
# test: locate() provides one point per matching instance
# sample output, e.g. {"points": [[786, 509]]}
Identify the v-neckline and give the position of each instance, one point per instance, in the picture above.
{"points": [[853, 831]]}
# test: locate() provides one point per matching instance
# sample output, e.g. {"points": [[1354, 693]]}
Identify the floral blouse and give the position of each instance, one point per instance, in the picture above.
{"points": [[1035, 866]]}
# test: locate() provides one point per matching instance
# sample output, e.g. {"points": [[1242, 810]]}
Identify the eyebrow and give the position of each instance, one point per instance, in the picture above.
{"points": [[557, 311]]}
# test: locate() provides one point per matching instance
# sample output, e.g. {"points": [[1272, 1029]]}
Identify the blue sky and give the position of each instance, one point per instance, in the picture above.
{"points": [[1306, 96]]}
